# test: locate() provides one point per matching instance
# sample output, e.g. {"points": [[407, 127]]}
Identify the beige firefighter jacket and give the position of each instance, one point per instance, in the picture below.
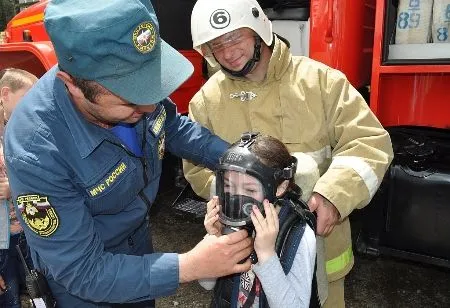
{"points": [[313, 109]]}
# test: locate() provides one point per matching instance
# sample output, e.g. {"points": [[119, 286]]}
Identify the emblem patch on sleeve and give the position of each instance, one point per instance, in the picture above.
{"points": [[38, 214]]}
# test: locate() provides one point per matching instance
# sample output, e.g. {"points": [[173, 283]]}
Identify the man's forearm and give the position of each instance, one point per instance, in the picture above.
{"points": [[186, 270]]}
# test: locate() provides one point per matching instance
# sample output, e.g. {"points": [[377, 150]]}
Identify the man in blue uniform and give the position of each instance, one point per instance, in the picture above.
{"points": [[82, 189]]}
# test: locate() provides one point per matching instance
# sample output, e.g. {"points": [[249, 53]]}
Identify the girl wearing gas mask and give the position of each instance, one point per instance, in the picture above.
{"points": [[256, 190]]}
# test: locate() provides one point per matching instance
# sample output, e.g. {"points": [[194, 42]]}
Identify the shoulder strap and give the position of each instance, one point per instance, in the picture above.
{"points": [[290, 241], [251, 296], [301, 208], [293, 220]]}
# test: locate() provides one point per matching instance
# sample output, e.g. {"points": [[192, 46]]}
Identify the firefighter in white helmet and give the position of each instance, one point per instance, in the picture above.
{"points": [[226, 22], [311, 107]]}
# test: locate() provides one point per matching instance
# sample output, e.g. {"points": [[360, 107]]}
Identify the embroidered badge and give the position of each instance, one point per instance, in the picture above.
{"points": [[38, 214], [243, 96], [144, 37], [115, 175], [159, 122], [161, 145]]}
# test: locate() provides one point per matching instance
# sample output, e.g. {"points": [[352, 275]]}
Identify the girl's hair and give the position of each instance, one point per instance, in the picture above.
{"points": [[16, 79], [272, 152]]}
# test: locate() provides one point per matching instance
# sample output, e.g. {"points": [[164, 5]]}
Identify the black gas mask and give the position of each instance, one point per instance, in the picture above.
{"points": [[243, 181]]}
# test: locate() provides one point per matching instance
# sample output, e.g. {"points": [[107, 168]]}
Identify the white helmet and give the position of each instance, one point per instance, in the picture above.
{"points": [[213, 18]]}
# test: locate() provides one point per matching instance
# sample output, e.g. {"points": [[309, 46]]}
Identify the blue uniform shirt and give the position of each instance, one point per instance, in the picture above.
{"points": [[82, 195]]}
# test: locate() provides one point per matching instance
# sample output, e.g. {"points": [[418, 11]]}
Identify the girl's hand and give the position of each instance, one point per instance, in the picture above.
{"points": [[266, 231], [212, 223]]}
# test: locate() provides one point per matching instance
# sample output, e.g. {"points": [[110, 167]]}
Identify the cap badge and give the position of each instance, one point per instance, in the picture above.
{"points": [[144, 37]]}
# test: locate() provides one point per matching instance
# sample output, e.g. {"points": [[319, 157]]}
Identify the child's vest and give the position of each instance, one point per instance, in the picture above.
{"points": [[294, 216]]}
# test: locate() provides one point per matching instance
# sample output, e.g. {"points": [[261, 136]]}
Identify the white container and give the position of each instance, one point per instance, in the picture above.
{"points": [[441, 21], [296, 32], [414, 22]]}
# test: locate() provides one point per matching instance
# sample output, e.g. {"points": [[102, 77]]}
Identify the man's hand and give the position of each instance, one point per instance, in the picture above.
{"points": [[216, 257], [327, 214], [5, 192]]}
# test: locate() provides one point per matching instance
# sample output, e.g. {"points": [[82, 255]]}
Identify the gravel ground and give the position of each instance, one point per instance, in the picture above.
{"points": [[381, 282]]}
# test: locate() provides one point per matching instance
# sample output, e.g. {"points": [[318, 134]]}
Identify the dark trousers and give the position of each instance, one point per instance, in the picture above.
{"points": [[12, 271]]}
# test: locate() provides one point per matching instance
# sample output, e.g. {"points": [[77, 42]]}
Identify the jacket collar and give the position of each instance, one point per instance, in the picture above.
{"points": [[279, 61]]}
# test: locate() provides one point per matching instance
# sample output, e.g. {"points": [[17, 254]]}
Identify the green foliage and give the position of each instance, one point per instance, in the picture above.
{"points": [[7, 11]]}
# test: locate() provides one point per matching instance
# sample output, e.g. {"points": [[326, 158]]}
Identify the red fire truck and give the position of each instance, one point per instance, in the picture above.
{"points": [[375, 43]]}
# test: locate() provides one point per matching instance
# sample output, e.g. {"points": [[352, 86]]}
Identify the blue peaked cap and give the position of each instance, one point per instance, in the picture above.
{"points": [[117, 44]]}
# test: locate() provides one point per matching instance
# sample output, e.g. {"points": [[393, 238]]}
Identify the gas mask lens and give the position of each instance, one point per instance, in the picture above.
{"points": [[238, 192]]}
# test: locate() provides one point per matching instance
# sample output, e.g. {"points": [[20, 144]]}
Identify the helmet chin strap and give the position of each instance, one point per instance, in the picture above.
{"points": [[250, 64]]}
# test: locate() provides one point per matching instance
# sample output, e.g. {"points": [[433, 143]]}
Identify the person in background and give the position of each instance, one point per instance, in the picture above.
{"points": [[309, 106], [14, 83]]}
